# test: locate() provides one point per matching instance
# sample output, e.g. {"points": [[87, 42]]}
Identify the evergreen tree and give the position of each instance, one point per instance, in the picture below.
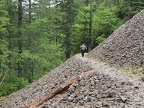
{"points": [[128, 8], [40, 46], [20, 13], [4, 20], [68, 8]]}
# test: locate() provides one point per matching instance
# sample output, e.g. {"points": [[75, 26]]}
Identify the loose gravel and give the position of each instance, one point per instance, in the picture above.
{"points": [[107, 87], [125, 46]]}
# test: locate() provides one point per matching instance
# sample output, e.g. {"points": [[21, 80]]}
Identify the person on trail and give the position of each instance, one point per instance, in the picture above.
{"points": [[83, 48]]}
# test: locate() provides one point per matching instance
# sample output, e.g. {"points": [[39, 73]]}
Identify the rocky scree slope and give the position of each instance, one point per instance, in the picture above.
{"points": [[124, 47], [105, 87], [43, 86]]}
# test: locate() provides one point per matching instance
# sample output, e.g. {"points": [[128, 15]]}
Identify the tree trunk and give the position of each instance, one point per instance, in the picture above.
{"points": [[67, 42], [30, 15], [19, 35], [31, 63], [90, 28], [129, 6], [110, 25]]}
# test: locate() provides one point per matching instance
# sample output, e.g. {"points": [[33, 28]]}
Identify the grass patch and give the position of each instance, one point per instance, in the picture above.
{"points": [[2, 99], [138, 72]]}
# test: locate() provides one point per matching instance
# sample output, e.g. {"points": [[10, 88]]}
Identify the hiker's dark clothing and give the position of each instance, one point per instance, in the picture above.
{"points": [[83, 48]]}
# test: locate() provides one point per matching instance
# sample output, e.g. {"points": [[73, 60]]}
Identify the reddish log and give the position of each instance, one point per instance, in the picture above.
{"points": [[58, 91]]}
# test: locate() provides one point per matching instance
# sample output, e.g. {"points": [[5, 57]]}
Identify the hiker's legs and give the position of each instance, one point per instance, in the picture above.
{"points": [[82, 52]]}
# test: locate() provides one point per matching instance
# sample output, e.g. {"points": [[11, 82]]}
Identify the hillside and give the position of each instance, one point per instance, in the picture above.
{"points": [[125, 47], [88, 82], [103, 87]]}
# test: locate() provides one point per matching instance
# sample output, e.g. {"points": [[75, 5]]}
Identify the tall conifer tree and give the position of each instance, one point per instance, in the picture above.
{"points": [[69, 10]]}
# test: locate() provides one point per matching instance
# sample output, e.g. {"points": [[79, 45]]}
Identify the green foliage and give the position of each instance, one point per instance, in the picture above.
{"points": [[2, 98], [47, 53], [11, 85], [3, 18], [4, 52], [69, 10], [80, 28], [104, 20], [100, 39], [126, 9]]}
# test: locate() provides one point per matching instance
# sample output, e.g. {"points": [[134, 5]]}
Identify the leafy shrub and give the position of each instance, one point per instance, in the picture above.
{"points": [[11, 85], [100, 39]]}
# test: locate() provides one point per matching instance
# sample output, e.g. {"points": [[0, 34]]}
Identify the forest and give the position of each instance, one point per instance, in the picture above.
{"points": [[38, 35]]}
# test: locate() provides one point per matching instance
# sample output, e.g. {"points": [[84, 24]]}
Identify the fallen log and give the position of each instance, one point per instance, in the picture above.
{"points": [[58, 91]]}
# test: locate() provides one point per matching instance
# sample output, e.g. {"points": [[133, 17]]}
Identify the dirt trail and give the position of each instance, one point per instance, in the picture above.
{"points": [[113, 72]]}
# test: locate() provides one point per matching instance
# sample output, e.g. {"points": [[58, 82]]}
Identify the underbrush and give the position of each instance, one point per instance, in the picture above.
{"points": [[11, 85], [138, 72]]}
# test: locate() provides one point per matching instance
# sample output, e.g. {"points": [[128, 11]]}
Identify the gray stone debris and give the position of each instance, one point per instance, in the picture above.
{"points": [[107, 87], [124, 47]]}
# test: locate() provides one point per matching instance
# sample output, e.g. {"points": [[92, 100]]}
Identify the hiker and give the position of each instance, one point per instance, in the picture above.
{"points": [[83, 48]]}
